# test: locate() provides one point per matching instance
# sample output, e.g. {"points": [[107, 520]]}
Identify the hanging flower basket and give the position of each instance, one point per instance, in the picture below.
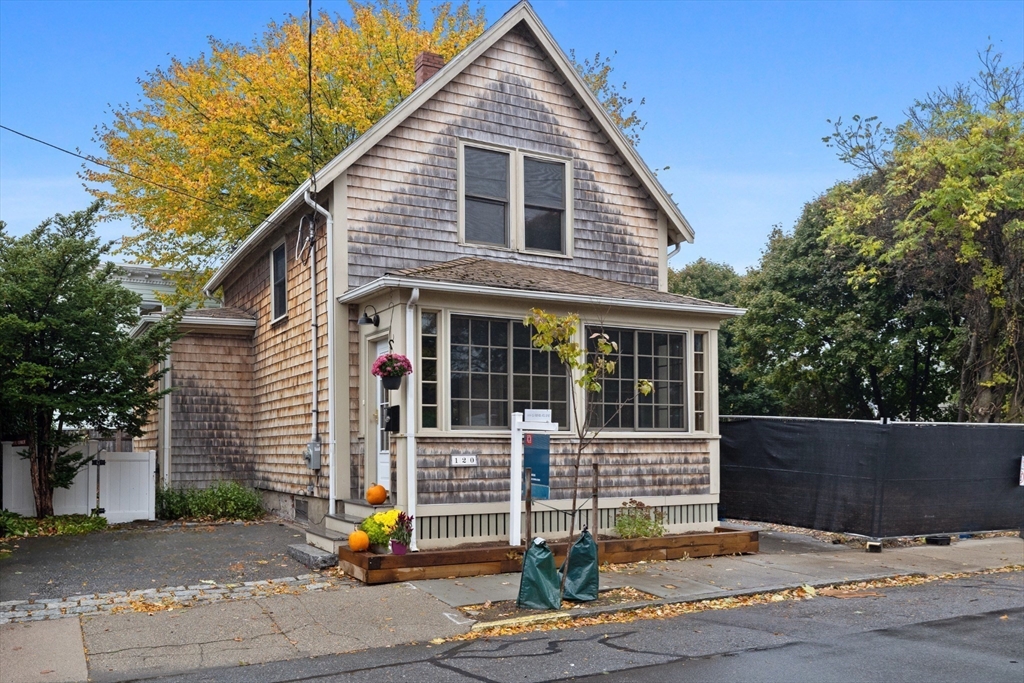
{"points": [[391, 368]]}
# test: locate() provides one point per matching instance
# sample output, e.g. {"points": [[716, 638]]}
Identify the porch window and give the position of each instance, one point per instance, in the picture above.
{"points": [[495, 372], [428, 370], [699, 356], [657, 356], [278, 282]]}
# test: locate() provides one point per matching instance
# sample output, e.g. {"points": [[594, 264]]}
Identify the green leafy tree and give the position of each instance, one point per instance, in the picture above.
{"points": [[941, 209], [740, 391], [597, 74], [586, 369], [826, 347], [67, 360]]}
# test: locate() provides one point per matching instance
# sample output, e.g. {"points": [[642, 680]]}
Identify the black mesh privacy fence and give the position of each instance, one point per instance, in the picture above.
{"points": [[873, 479]]}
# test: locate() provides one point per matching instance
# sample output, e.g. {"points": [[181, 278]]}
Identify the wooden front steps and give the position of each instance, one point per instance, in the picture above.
{"points": [[459, 562]]}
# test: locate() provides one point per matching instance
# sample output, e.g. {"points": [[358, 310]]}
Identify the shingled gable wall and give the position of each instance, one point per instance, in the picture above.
{"points": [[402, 194]]}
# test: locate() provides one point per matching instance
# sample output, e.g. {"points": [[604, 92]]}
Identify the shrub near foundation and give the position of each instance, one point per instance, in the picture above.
{"points": [[223, 500], [637, 520]]}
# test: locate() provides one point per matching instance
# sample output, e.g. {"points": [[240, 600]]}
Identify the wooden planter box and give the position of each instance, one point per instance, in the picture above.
{"points": [[458, 562]]}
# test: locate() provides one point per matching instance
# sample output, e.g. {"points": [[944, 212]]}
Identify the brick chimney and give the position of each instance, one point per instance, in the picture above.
{"points": [[427, 64]]}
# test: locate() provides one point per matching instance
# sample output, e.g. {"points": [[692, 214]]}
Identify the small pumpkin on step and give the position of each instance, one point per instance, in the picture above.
{"points": [[376, 495]]}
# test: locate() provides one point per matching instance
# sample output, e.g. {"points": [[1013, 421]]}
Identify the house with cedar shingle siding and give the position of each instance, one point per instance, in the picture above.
{"points": [[499, 185]]}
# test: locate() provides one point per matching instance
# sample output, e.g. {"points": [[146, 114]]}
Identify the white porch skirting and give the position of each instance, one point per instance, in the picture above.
{"points": [[440, 531]]}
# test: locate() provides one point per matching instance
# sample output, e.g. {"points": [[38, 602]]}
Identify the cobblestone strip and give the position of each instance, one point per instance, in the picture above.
{"points": [[152, 599]]}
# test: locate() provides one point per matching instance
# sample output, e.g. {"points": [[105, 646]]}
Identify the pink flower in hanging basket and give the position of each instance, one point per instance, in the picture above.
{"points": [[391, 365]]}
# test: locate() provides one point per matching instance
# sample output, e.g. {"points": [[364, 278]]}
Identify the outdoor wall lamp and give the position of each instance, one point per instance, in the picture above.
{"points": [[365, 319]]}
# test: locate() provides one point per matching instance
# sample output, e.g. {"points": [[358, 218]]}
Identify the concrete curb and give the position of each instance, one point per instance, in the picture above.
{"points": [[663, 602]]}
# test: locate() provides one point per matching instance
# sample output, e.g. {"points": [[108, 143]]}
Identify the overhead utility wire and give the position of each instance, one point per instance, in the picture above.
{"points": [[94, 160], [309, 96]]}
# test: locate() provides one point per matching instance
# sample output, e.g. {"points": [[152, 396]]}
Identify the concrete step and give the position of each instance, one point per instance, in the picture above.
{"points": [[362, 509], [312, 556], [325, 539], [343, 524]]}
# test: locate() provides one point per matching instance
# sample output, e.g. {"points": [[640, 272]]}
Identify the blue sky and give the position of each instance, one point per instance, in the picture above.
{"points": [[737, 93]]}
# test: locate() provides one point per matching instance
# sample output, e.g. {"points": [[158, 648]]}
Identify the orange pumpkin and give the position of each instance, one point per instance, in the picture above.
{"points": [[358, 541], [376, 495]]}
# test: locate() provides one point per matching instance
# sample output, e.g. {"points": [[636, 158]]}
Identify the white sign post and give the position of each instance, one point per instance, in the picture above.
{"points": [[519, 427]]}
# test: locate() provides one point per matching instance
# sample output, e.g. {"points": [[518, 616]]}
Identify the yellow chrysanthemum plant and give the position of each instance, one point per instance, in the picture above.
{"points": [[380, 526]]}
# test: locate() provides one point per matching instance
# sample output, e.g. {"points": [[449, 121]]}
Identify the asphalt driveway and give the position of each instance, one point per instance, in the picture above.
{"points": [[133, 559]]}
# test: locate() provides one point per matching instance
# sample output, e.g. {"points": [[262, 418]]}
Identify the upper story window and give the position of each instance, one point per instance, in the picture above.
{"points": [[278, 283], [486, 196], [544, 205], [515, 199]]}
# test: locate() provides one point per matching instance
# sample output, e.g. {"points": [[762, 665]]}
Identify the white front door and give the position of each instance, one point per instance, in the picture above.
{"points": [[383, 437]]}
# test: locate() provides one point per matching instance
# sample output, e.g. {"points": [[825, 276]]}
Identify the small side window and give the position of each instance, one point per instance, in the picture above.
{"points": [[278, 283]]}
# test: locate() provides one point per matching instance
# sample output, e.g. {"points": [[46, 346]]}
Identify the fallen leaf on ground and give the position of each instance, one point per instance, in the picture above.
{"points": [[836, 593]]}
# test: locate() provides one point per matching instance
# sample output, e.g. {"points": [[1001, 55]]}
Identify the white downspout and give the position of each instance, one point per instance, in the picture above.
{"points": [[410, 414], [676, 247], [165, 427], [330, 346]]}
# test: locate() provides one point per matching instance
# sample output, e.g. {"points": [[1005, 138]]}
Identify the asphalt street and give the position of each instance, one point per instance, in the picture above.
{"points": [[960, 630]]}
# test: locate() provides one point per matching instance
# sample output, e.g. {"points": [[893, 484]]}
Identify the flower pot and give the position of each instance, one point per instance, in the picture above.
{"points": [[398, 548], [391, 382], [379, 548]]}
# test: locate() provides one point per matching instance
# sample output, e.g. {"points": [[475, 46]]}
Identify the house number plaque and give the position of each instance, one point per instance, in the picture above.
{"points": [[463, 460]]}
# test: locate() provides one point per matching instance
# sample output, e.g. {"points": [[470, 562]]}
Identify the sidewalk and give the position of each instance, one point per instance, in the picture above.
{"points": [[349, 617]]}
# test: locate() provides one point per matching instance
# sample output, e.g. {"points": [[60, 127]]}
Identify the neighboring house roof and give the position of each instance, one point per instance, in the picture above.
{"points": [[149, 282], [213, 319], [679, 227], [474, 275], [220, 313]]}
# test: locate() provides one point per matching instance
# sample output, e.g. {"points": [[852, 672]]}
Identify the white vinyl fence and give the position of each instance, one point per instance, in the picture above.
{"points": [[127, 485]]}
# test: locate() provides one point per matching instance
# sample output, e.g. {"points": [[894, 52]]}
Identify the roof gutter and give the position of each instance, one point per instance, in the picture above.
{"points": [[391, 281]]}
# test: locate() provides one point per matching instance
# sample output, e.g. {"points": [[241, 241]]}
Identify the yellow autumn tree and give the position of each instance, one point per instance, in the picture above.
{"points": [[220, 140]]}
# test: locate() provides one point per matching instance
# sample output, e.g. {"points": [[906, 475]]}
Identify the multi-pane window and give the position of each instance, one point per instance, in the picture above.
{"points": [[486, 177], [484, 384], [428, 370], [544, 204], [656, 356], [278, 280], [699, 344], [539, 381]]}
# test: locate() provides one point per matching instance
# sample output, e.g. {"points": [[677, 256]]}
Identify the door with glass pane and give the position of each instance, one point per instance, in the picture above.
{"points": [[382, 436]]}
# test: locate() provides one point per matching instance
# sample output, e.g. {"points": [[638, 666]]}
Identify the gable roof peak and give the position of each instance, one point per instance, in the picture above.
{"points": [[520, 13]]}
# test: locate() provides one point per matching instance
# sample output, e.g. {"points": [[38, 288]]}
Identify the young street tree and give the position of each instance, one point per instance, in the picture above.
{"points": [[586, 367], [67, 360]]}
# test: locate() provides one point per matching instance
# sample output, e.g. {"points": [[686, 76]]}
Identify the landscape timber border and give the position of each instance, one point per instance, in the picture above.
{"points": [[372, 568]]}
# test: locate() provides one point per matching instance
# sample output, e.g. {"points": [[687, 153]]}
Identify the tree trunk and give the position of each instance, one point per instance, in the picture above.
{"points": [[41, 464], [572, 519]]}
